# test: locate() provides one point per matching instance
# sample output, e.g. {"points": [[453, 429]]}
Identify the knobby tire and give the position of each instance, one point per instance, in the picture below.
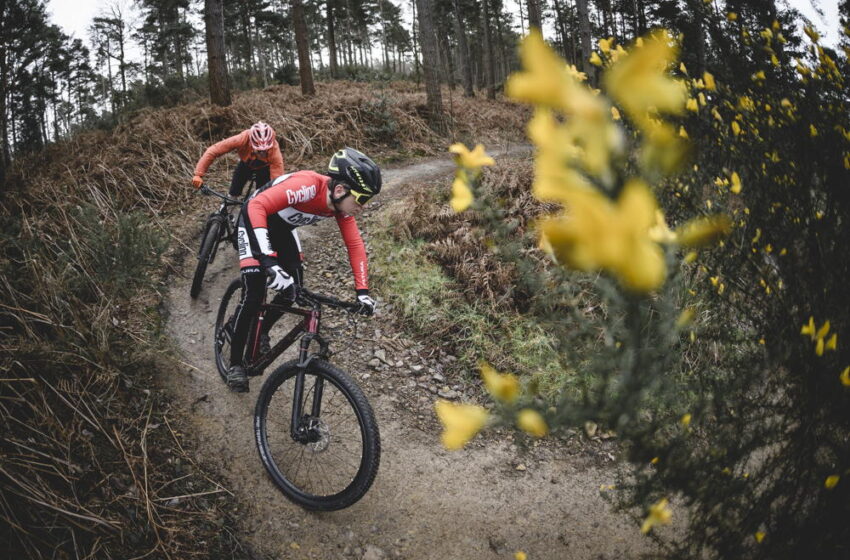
{"points": [[368, 432], [208, 247]]}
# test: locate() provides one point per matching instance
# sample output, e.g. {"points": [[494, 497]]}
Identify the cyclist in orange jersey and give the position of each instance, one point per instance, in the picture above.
{"points": [[258, 152]]}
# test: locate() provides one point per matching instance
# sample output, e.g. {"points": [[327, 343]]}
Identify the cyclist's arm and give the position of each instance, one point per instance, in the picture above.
{"points": [[276, 164], [356, 252], [217, 150]]}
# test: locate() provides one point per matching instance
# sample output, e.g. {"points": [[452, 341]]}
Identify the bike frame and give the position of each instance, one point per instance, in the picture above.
{"points": [[308, 330]]}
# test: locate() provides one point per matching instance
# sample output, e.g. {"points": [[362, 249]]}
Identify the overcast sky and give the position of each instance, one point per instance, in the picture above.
{"points": [[76, 15]]}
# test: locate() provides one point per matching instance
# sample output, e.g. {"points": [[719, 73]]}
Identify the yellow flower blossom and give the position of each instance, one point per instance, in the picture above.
{"points": [[732, 16], [716, 114], [809, 328], [504, 387], [832, 343], [640, 81], [774, 60], [701, 98], [594, 59], [600, 234], [605, 44], [615, 114], [759, 536], [845, 377], [813, 131], [786, 103], [700, 232], [831, 481], [736, 182], [461, 193], [692, 105], [759, 76], [686, 420], [654, 461], [659, 514], [660, 231], [531, 422], [520, 555], [685, 317], [708, 79], [683, 133], [460, 422], [736, 128], [683, 69], [690, 257], [474, 159]]}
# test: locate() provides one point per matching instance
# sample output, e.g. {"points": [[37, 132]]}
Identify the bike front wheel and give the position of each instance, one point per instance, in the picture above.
{"points": [[208, 247], [332, 461]]}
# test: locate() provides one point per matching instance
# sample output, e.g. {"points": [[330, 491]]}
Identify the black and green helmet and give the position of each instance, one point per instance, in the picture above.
{"points": [[358, 171]]}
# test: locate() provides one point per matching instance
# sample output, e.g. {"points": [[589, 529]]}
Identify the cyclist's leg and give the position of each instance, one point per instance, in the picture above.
{"points": [[289, 256], [253, 284], [262, 176], [241, 175]]}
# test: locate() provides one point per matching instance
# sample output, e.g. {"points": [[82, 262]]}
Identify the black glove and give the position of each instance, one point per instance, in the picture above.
{"points": [[367, 305]]}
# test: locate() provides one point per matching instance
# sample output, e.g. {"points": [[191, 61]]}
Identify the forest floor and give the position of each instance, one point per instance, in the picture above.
{"points": [[493, 498]]}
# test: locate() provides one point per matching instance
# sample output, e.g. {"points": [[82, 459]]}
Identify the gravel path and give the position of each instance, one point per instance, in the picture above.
{"points": [[484, 502]]}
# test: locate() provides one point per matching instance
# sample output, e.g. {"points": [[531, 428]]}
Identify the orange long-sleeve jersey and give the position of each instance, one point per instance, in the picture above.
{"points": [[242, 144]]}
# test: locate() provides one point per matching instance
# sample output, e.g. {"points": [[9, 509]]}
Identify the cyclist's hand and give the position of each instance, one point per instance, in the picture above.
{"points": [[278, 279], [197, 181], [367, 305]]}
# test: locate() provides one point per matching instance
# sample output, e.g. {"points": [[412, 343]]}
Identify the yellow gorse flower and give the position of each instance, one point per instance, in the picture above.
{"points": [[460, 422], [502, 386], [700, 232], [475, 159], [600, 234], [708, 79], [845, 377], [461, 193], [831, 481], [640, 82], [469, 166], [818, 336], [659, 514], [531, 422]]}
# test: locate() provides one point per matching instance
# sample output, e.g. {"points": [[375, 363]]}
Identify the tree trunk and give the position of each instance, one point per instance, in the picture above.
{"points": [[489, 77], [415, 41], [216, 66], [534, 16], [430, 57], [331, 38], [305, 71], [584, 32], [463, 52]]}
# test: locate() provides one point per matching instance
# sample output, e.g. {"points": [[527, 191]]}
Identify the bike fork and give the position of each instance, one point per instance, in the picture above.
{"points": [[298, 428]]}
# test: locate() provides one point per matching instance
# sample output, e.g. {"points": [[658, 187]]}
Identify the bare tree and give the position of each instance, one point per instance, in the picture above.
{"points": [[463, 52], [302, 41], [430, 59], [489, 71], [216, 62]]}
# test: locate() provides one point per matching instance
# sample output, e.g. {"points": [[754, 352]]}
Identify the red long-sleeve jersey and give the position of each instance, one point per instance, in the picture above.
{"points": [[294, 200]]}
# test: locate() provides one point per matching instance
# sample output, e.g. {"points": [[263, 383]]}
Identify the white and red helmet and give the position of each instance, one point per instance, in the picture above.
{"points": [[261, 136]]}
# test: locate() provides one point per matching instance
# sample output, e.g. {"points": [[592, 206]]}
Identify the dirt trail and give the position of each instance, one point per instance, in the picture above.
{"points": [[484, 502]]}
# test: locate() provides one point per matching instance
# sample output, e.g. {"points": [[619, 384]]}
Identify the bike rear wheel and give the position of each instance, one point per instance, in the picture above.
{"points": [[338, 463], [225, 323], [208, 247]]}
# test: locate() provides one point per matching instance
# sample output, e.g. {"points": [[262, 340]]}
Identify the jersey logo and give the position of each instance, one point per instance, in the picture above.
{"points": [[295, 218], [242, 243], [303, 194]]}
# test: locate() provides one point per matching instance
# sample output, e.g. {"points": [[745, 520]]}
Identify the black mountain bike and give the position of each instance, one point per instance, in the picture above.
{"points": [[220, 226], [315, 430]]}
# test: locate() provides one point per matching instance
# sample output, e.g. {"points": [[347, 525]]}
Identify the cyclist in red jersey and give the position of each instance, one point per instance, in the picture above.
{"points": [[258, 152], [269, 249]]}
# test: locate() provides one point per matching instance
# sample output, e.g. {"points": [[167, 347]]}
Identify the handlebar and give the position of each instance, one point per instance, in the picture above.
{"points": [[303, 295], [204, 189]]}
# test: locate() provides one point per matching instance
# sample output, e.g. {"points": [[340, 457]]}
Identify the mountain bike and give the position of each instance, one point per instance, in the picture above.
{"points": [[315, 431], [220, 226]]}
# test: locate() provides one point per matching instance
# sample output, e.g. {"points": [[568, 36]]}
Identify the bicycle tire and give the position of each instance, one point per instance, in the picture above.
{"points": [[293, 486], [224, 317], [208, 247]]}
